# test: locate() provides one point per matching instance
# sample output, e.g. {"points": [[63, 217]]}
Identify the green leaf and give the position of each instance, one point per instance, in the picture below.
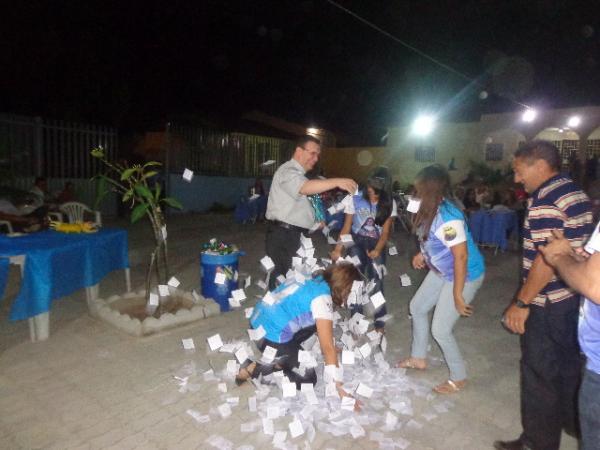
{"points": [[157, 191], [101, 190], [144, 192], [138, 212], [149, 174], [98, 152], [152, 163], [173, 202], [127, 195], [127, 173]]}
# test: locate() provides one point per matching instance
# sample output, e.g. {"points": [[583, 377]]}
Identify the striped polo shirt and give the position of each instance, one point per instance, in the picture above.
{"points": [[558, 204]]}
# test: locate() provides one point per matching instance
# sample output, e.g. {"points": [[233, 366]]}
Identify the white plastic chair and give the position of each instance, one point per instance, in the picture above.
{"points": [[75, 212], [7, 225]]}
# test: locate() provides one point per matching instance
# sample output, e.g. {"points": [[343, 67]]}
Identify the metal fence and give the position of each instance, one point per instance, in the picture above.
{"points": [[211, 152], [32, 146]]}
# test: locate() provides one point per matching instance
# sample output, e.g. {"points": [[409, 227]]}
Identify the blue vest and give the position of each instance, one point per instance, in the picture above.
{"points": [[290, 314], [439, 256]]}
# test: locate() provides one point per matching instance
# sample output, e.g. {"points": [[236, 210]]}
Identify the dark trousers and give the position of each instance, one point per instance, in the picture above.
{"points": [[589, 411], [281, 245], [362, 245], [550, 374], [286, 358]]}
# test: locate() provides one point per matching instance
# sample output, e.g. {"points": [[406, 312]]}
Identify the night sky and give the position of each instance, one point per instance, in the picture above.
{"points": [[135, 64]]}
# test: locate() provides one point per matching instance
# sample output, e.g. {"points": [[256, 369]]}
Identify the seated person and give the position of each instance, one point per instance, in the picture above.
{"points": [[67, 194], [20, 221], [307, 308], [503, 201], [470, 201]]}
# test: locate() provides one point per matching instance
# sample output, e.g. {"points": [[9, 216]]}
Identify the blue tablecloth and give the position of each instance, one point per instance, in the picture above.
{"points": [[59, 264], [493, 228], [4, 264]]}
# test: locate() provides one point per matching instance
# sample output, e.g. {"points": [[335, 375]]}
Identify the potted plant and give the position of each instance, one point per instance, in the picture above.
{"points": [[133, 183]]}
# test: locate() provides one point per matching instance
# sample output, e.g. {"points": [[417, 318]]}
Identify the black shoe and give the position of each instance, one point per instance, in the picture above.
{"points": [[517, 444]]}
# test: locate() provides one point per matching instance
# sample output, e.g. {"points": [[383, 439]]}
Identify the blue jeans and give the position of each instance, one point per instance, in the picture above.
{"points": [[436, 291], [363, 245], [589, 411]]}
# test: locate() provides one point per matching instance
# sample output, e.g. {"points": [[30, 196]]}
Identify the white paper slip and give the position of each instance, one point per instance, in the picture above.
{"points": [[325, 231], [224, 410], [233, 303], [238, 294], [153, 300], [307, 388], [257, 334], [174, 282], [364, 390], [332, 210], [268, 427], [288, 390], [296, 428], [261, 284], [331, 240], [374, 335], [220, 278], [296, 261], [393, 250], [310, 261], [188, 175], [215, 342], [269, 354], [315, 227], [248, 282], [348, 403], [301, 252], [232, 367], [331, 390], [163, 290], [267, 263], [365, 350], [227, 348], [347, 357], [357, 286], [346, 238], [268, 162], [413, 205], [248, 312], [222, 387], [188, 344], [390, 419], [252, 404], [279, 438], [280, 279], [306, 242], [405, 280], [356, 261], [299, 277], [269, 298], [383, 344], [200, 418], [272, 412], [378, 300], [241, 355]]}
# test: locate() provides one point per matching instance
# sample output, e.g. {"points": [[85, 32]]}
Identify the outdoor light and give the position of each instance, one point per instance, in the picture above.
{"points": [[529, 115], [423, 125], [574, 121], [312, 131]]}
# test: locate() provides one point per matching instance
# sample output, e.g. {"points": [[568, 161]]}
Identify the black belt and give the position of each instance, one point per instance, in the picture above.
{"points": [[288, 226]]}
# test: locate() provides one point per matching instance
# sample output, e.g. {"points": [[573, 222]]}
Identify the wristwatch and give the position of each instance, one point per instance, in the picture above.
{"points": [[521, 304]]}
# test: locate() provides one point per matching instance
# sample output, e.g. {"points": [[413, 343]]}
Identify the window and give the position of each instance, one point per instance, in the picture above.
{"points": [[424, 153], [494, 152]]}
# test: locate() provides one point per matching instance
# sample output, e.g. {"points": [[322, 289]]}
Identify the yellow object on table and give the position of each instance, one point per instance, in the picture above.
{"points": [[78, 227]]}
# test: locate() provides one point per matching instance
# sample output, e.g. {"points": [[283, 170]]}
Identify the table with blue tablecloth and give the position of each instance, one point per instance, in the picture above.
{"points": [[58, 264], [493, 227]]}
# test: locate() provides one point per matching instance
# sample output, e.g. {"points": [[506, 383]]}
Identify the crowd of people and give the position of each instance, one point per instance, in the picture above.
{"points": [[559, 265]]}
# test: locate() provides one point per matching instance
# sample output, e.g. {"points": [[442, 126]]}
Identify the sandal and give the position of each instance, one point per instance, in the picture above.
{"points": [[409, 363], [450, 387], [244, 374]]}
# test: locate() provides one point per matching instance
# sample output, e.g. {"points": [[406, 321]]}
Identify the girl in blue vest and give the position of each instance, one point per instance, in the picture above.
{"points": [[369, 217], [456, 271], [299, 311]]}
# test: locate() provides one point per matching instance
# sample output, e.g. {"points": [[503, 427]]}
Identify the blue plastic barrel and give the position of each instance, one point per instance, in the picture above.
{"points": [[210, 265]]}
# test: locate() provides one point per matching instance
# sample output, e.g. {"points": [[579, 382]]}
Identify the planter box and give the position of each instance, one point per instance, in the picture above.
{"points": [[125, 312]]}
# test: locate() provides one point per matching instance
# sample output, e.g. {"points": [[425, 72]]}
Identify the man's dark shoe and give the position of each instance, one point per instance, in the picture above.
{"points": [[517, 444]]}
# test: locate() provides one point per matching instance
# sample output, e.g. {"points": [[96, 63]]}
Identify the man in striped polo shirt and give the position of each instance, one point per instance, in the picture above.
{"points": [[545, 310]]}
